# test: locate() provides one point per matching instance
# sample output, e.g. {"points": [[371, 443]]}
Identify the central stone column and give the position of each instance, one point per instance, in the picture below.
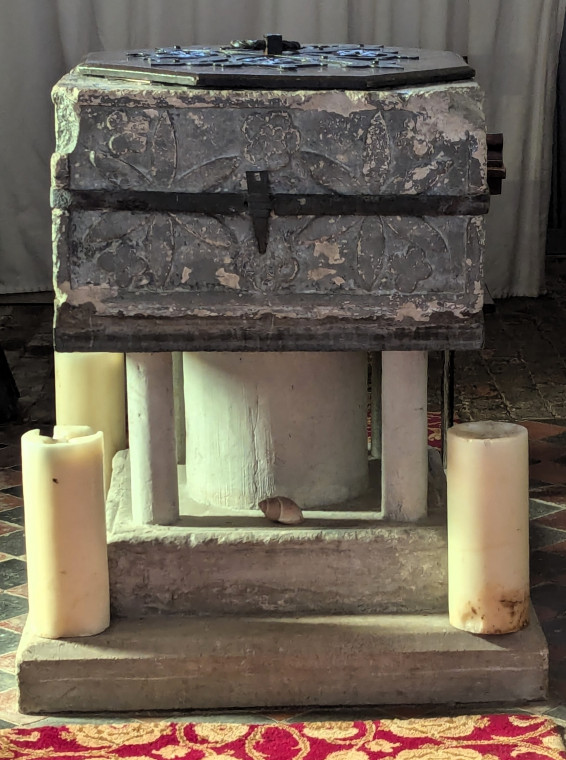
{"points": [[264, 424]]}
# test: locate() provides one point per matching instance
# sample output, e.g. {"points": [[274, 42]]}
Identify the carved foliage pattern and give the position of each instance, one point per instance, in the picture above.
{"points": [[191, 150], [164, 252]]}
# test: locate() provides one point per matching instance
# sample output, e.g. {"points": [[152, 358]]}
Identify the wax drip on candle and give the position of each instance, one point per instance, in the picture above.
{"points": [[66, 433]]}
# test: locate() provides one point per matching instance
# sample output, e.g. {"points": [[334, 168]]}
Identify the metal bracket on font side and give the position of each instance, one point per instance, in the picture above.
{"points": [[259, 206]]}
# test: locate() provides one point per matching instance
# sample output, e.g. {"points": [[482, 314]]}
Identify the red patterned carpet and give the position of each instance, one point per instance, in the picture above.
{"points": [[491, 737], [434, 430]]}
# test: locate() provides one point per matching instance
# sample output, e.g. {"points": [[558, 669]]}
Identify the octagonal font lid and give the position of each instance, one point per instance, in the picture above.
{"points": [[273, 62]]}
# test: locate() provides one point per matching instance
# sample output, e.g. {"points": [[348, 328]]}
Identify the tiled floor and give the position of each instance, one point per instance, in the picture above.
{"points": [[519, 376]]}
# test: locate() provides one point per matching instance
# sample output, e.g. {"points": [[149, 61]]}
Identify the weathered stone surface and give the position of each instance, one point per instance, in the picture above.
{"points": [[251, 327], [413, 140], [341, 560], [185, 663], [367, 270], [119, 252]]}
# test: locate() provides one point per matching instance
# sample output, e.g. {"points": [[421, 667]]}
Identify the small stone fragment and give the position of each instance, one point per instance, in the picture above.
{"points": [[282, 510]]}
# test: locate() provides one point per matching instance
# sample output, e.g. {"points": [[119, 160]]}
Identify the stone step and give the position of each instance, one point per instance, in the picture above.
{"points": [[181, 663], [344, 560]]}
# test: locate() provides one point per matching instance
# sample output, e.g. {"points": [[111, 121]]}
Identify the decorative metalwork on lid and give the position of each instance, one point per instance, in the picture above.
{"points": [[275, 62]]}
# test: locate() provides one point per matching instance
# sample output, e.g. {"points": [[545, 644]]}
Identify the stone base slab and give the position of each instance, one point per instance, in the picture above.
{"points": [[343, 560], [182, 663]]}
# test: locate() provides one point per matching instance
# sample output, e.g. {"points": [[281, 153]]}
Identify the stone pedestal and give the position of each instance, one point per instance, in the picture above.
{"points": [[209, 221], [265, 424], [219, 595], [212, 663]]}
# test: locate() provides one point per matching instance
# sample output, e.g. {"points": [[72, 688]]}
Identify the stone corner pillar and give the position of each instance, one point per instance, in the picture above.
{"points": [[153, 454], [404, 465]]}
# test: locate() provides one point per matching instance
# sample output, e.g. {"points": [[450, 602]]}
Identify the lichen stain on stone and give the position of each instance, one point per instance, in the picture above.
{"points": [[420, 146], [186, 274], [67, 119], [59, 170], [343, 103], [419, 173], [331, 251], [86, 294], [412, 311], [228, 279], [319, 273]]}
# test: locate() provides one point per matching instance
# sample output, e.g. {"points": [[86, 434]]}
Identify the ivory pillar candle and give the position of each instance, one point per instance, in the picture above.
{"points": [[63, 486], [153, 454], [404, 458], [90, 389], [488, 527]]}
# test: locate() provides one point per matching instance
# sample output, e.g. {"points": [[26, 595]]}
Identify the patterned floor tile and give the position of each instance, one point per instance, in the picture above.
{"points": [[535, 484], [9, 478], [11, 606], [8, 528], [540, 536], [8, 662], [15, 624], [15, 516], [558, 714], [73, 720], [12, 573], [544, 614], [8, 641], [341, 714], [553, 494], [541, 509], [217, 717], [547, 566], [540, 708], [9, 456], [14, 543], [543, 451], [548, 472], [557, 548], [559, 439], [551, 596], [540, 430], [9, 710], [283, 717], [7, 681], [9, 502], [554, 520], [16, 491], [19, 590]]}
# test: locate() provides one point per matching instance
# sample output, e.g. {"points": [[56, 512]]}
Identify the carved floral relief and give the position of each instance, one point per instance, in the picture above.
{"points": [[373, 151], [190, 252]]}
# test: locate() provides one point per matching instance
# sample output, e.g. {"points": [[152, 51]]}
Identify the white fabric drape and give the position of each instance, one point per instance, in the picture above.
{"points": [[513, 44]]}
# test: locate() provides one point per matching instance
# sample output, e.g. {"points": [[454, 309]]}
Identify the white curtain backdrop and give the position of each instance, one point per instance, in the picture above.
{"points": [[513, 44]]}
